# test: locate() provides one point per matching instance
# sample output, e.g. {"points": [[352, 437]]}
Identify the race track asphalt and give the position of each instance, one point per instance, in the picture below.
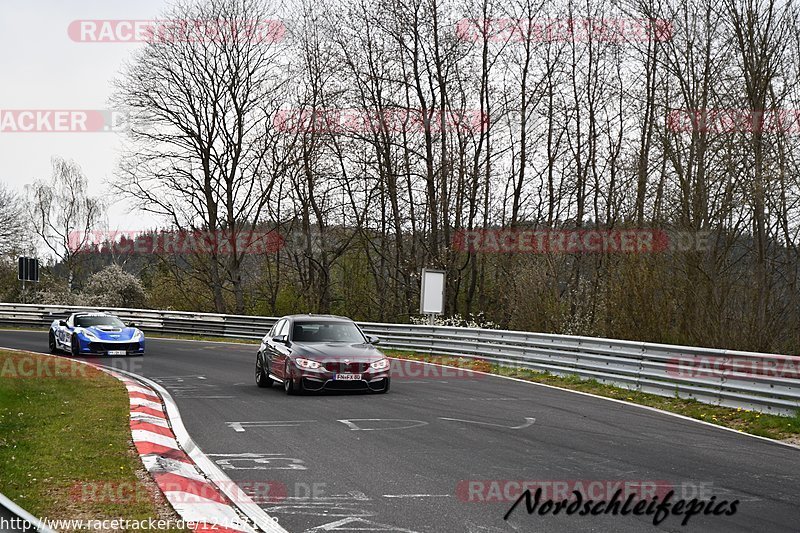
{"points": [[404, 461]]}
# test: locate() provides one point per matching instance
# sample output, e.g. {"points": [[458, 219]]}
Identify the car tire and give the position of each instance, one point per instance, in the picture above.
{"points": [[51, 341], [386, 388], [288, 383], [262, 378], [75, 347]]}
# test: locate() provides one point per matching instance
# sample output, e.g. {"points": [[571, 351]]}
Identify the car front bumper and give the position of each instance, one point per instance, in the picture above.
{"points": [[111, 347], [319, 379]]}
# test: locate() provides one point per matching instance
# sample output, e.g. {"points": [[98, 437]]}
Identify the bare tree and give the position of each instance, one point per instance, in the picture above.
{"points": [[576, 134], [13, 229], [204, 154], [63, 213]]}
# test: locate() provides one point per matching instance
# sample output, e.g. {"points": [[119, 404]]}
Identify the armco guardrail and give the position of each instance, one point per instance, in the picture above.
{"points": [[763, 382], [14, 518]]}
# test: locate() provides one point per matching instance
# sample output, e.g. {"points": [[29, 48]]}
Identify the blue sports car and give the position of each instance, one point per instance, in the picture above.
{"points": [[94, 333]]}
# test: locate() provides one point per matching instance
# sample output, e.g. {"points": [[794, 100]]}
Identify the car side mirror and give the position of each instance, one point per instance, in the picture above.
{"points": [[62, 323], [132, 324], [280, 338], [372, 339]]}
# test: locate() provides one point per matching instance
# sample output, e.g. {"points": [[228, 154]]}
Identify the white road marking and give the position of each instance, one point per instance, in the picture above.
{"points": [[324, 509], [351, 423], [239, 427], [353, 496], [528, 422], [204, 511], [373, 526], [261, 461], [417, 495], [331, 506]]}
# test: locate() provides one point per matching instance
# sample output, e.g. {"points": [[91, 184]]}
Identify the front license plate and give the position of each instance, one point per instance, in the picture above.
{"points": [[347, 377], [117, 352]]}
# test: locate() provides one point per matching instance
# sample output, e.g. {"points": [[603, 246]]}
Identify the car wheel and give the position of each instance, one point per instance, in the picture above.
{"points": [[288, 383], [51, 341], [75, 347], [262, 378], [386, 388]]}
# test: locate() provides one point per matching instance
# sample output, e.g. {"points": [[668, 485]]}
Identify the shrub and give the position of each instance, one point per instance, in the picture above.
{"points": [[113, 287]]}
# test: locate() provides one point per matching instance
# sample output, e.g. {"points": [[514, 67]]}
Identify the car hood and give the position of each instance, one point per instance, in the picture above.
{"points": [[357, 353], [109, 333]]}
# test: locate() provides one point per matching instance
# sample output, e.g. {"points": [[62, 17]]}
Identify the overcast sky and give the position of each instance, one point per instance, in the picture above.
{"points": [[44, 69]]}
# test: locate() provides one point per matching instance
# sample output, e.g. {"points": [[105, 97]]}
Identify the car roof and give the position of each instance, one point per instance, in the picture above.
{"points": [[322, 318]]}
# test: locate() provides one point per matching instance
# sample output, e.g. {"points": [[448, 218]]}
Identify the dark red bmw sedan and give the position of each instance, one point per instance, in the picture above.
{"points": [[309, 353]]}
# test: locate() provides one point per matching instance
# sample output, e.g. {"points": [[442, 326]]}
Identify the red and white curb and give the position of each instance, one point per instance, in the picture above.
{"points": [[193, 497], [201, 493], [195, 487]]}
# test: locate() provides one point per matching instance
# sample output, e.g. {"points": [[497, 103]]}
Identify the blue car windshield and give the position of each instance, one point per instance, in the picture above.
{"points": [[98, 320], [326, 331]]}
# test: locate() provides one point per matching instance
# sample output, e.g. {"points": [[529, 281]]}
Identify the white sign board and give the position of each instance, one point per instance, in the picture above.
{"points": [[431, 300]]}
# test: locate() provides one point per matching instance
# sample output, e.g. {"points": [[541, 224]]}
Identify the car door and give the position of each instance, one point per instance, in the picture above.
{"points": [[272, 349], [65, 332], [282, 350], [265, 348]]}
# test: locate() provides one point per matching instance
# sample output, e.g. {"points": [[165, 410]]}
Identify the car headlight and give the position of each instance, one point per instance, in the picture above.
{"points": [[307, 363], [380, 365], [89, 334], [137, 336]]}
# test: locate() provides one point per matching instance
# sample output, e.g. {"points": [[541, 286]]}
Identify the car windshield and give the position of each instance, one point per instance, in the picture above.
{"points": [[326, 331], [98, 320]]}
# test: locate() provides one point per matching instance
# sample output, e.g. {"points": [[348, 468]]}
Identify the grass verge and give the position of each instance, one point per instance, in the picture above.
{"points": [[65, 444], [784, 428]]}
